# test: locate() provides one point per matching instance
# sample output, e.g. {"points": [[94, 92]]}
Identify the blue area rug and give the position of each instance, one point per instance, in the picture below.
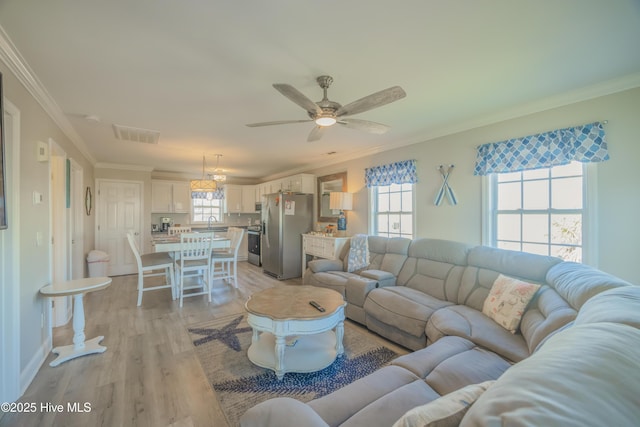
{"points": [[221, 346]]}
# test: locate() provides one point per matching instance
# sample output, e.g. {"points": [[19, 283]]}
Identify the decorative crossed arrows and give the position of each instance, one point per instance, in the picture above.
{"points": [[445, 188]]}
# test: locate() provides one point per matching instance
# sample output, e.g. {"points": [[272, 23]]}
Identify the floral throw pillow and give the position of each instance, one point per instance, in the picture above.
{"points": [[507, 301]]}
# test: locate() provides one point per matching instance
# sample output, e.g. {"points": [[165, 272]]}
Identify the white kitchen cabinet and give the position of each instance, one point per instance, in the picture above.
{"points": [[233, 198], [170, 197], [240, 198], [300, 183], [249, 199]]}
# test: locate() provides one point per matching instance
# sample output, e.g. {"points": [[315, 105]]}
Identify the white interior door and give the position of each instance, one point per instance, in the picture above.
{"points": [[59, 230], [119, 209], [76, 227]]}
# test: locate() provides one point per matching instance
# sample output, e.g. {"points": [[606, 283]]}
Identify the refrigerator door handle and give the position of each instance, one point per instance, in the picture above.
{"points": [[266, 225]]}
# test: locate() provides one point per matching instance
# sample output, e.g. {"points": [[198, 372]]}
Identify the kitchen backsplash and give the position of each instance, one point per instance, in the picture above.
{"points": [[230, 219]]}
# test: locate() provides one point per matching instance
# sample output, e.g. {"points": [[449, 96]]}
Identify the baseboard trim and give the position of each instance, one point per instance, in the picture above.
{"points": [[31, 370]]}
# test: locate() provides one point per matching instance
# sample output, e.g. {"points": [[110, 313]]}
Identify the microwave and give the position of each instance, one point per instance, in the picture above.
{"points": [[258, 207]]}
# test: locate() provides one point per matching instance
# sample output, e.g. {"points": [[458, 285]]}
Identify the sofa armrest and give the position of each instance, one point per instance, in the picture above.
{"points": [[319, 265], [384, 278], [281, 412], [358, 288]]}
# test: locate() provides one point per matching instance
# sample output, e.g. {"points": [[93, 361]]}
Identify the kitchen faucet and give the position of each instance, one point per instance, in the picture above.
{"points": [[209, 227]]}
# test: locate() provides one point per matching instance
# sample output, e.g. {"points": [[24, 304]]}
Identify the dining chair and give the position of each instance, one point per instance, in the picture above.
{"points": [[179, 230], [149, 266], [194, 261], [228, 256]]}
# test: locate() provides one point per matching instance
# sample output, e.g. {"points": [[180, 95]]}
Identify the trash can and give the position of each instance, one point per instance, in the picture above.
{"points": [[98, 263]]}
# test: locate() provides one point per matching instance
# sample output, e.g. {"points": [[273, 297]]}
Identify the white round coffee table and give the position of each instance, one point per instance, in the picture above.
{"points": [[290, 335]]}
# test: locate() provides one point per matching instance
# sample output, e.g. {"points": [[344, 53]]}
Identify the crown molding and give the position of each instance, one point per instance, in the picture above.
{"points": [[138, 168], [586, 93], [11, 57]]}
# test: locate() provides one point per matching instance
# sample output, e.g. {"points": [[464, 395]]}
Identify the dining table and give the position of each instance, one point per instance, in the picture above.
{"points": [[172, 244]]}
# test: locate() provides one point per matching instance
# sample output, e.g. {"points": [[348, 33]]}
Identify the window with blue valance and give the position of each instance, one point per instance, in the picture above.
{"points": [[584, 144], [217, 194], [403, 172]]}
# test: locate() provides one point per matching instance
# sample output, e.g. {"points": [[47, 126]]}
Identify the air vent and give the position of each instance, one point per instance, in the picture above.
{"points": [[127, 133]]}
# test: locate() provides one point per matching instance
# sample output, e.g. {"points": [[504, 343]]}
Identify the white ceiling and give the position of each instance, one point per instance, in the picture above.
{"points": [[198, 71]]}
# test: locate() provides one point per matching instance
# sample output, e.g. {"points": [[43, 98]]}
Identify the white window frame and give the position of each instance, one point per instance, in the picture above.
{"points": [[589, 213], [218, 217], [373, 212]]}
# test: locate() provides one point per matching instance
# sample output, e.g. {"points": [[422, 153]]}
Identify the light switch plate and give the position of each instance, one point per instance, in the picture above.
{"points": [[37, 198], [42, 151]]}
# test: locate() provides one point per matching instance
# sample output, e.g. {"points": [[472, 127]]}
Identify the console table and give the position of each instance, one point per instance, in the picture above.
{"points": [[321, 247], [77, 288]]}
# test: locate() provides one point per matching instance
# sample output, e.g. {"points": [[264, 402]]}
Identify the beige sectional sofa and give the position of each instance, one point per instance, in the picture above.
{"points": [[572, 361]]}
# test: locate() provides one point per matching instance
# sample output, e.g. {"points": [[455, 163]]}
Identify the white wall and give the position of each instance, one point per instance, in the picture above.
{"points": [[35, 266], [618, 178]]}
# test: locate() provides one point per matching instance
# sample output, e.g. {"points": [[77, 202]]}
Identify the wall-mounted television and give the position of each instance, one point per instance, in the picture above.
{"points": [[3, 192]]}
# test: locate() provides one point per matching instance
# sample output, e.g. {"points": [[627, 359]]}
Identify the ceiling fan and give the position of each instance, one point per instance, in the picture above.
{"points": [[326, 113]]}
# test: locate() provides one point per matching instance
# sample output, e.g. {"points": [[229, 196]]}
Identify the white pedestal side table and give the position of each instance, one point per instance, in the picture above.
{"points": [[77, 288], [290, 335]]}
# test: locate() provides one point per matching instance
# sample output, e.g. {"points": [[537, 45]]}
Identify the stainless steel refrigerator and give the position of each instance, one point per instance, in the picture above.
{"points": [[285, 217]]}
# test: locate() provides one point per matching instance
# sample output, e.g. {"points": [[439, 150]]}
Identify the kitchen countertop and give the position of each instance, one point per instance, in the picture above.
{"points": [[217, 227]]}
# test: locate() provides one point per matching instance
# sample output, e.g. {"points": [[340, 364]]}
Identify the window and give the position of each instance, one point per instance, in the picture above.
{"points": [[393, 210], [202, 209], [540, 211]]}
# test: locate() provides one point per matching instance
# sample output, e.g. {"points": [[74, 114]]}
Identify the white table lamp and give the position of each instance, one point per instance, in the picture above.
{"points": [[343, 202]]}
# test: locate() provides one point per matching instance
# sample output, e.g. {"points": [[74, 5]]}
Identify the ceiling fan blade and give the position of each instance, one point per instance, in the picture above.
{"points": [[281, 122], [316, 133], [365, 125], [298, 97], [372, 101]]}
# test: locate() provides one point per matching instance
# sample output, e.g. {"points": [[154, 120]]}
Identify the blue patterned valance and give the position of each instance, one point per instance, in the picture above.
{"points": [[218, 193], [403, 172], [584, 144]]}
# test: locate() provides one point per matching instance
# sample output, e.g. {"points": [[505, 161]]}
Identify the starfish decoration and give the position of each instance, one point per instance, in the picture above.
{"points": [[342, 372], [227, 334]]}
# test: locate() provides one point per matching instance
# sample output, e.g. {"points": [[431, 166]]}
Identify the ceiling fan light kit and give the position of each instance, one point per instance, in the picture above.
{"points": [[326, 113]]}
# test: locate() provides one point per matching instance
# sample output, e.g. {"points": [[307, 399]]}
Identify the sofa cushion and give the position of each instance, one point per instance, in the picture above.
{"points": [[452, 363], [619, 305], [336, 280], [446, 411], [466, 322], [507, 301], [547, 313], [403, 308], [344, 403], [357, 289], [435, 267], [486, 263], [384, 278], [280, 411], [389, 408], [394, 256], [577, 283], [586, 375]]}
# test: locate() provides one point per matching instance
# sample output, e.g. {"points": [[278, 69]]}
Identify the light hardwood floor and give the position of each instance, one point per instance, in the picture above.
{"points": [[149, 375]]}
